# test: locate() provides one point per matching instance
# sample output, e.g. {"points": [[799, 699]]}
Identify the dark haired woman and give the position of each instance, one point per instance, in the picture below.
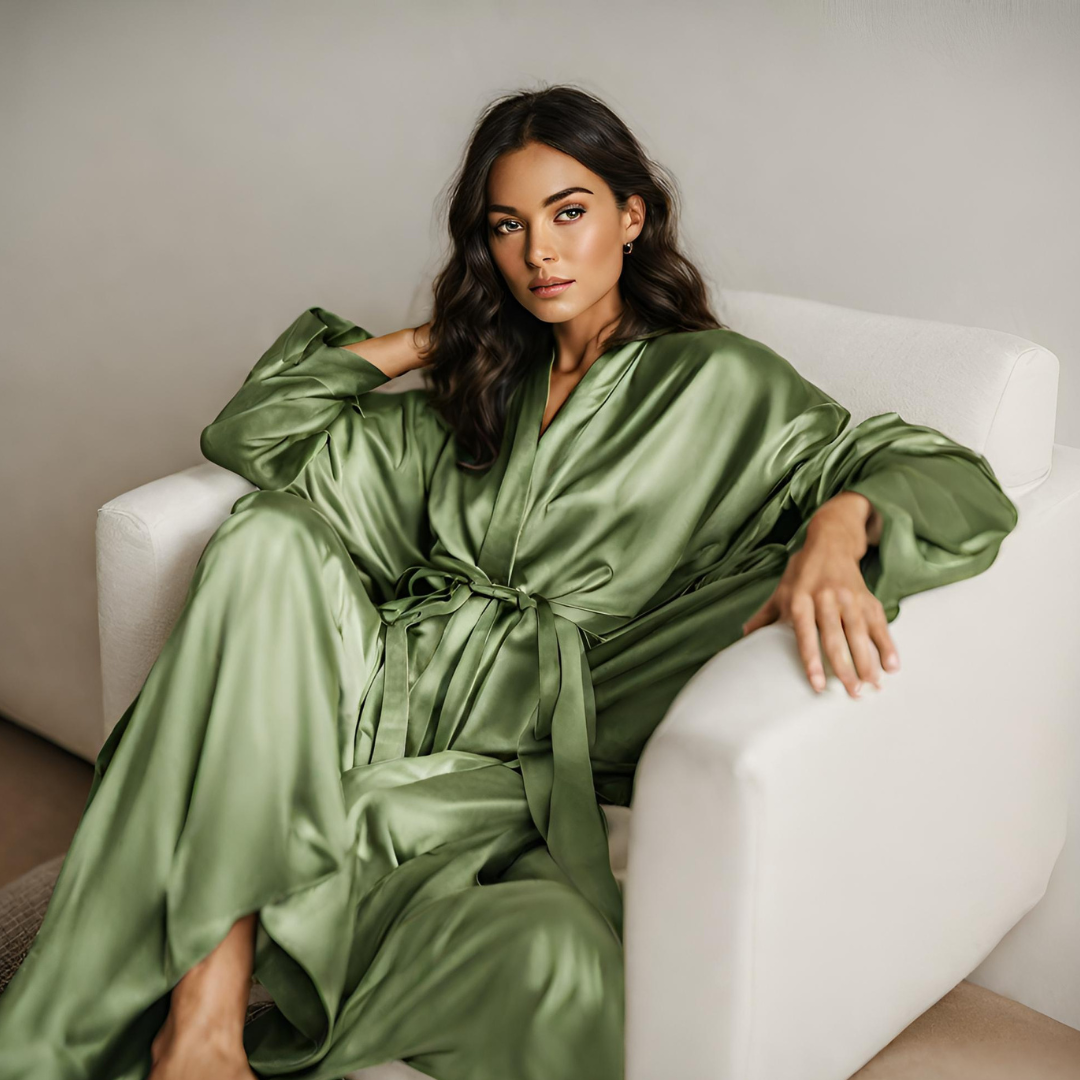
{"points": [[368, 762]]}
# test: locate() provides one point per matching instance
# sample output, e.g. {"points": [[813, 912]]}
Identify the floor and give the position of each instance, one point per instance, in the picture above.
{"points": [[970, 1034]]}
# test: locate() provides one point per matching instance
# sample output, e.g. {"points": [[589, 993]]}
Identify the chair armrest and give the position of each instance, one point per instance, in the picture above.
{"points": [[808, 873], [148, 543]]}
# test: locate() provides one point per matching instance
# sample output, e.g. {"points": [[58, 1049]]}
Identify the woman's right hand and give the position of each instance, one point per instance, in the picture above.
{"points": [[395, 353], [421, 336]]}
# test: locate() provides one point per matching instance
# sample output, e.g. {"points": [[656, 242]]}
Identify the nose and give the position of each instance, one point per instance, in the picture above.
{"points": [[540, 249]]}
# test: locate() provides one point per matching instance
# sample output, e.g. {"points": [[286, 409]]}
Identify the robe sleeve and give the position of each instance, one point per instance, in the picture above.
{"points": [[276, 422], [791, 448], [305, 421], [943, 511]]}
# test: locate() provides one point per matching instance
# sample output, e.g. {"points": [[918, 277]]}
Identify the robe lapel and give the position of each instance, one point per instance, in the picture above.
{"points": [[553, 750], [497, 553]]}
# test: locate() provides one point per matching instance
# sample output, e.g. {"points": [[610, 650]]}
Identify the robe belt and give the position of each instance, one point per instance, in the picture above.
{"points": [[553, 752], [459, 581]]}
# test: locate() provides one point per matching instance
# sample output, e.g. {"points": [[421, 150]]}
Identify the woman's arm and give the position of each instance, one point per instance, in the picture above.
{"points": [[277, 421], [395, 353], [306, 421], [857, 515]]}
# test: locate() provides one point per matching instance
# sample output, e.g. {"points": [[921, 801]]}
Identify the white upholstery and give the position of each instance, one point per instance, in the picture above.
{"points": [[803, 874]]}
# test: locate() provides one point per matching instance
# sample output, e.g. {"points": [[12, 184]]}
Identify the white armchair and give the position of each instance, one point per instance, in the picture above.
{"points": [[805, 874]]}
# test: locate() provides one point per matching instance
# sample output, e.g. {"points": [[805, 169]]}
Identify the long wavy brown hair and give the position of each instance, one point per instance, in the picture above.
{"points": [[482, 341]]}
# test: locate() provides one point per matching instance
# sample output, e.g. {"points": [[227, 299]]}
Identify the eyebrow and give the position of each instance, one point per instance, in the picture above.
{"points": [[547, 202]]}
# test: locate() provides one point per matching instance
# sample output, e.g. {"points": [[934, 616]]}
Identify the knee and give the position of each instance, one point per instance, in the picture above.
{"points": [[274, 521], [272, 535]]}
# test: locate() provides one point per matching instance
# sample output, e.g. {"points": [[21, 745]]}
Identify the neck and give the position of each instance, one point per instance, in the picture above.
{"points": [[580, 340]]}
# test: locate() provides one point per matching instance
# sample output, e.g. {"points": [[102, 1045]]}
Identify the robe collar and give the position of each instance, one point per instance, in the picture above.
{"points": [[530, 454]]}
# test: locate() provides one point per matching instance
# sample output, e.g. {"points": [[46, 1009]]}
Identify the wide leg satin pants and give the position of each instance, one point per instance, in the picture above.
{"points": [[229, 786]]}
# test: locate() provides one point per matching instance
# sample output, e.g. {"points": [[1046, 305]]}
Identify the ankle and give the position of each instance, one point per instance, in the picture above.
{"points": [[213, 995], [206, 1001], [210, 1013], [205, 1031]]}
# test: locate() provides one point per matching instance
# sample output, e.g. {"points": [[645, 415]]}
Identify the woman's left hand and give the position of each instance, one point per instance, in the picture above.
{"points": [[823, 588]]}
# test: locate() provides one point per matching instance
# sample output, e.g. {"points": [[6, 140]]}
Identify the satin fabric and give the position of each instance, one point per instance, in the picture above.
{"points": [[398, 692]]}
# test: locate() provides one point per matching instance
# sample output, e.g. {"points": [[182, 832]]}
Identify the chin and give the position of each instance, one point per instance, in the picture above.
{"points": [[553, 312]]}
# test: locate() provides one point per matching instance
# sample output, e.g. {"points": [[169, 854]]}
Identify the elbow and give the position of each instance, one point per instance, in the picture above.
{"points": [[221, 452], [208, 446], [261, 469]]}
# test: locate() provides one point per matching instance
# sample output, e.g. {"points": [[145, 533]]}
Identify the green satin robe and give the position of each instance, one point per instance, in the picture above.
{"points": [[398, 692]]}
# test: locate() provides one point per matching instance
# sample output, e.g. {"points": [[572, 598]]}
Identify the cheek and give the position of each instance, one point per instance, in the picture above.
{"points": [[503, 262], [599, 259], [592, 245], [598, 251]]}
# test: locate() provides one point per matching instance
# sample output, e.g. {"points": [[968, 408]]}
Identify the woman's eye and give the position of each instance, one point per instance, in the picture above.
{"points": [[578, 210]]}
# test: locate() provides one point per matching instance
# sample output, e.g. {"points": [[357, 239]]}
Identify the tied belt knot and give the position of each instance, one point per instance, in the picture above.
{"points": [[514, 594], [414, 605], [443, 588]]}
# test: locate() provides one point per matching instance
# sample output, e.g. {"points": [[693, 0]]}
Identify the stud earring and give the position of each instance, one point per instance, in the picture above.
{"points": [[627, 248]]}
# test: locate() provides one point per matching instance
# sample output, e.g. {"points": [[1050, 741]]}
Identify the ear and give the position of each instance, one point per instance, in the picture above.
{"points": [[633, 218]]}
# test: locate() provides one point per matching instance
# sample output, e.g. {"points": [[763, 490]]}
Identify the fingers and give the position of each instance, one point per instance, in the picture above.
{"points": [[853, 637], [879, 632], [858, 640], [853, 633], [834, 642], [806, 637]]}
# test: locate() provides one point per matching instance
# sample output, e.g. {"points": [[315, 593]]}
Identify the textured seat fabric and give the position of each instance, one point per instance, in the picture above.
{"points": [[22, 907]]}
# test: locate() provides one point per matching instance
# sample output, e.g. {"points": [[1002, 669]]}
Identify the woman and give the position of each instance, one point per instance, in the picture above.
{"points": [[368, 762]]}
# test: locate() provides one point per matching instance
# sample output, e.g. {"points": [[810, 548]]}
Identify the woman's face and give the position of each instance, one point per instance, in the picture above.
{"points": [[539, 228]]}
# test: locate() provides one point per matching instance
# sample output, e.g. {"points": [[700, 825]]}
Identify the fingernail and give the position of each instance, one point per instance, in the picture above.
{"points": [[858, 689], [892, 663], [818, 682]]}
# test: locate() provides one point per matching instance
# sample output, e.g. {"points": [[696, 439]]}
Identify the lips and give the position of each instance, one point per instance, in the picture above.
{"points": [[551, 288]]}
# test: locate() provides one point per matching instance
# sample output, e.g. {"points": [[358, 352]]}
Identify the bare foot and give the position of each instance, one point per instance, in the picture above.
{"points": [[203, 1035], [197, 1054]]}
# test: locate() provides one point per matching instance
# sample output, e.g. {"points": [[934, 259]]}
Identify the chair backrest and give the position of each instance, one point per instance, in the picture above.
{"points": [[988, 390]]}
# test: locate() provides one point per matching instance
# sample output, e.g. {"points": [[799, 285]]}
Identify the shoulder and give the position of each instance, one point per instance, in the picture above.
{"points": [[720, 354], [736, 375]]}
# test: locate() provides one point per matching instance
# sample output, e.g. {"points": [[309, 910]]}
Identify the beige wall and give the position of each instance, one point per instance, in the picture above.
{"points": [[180, 180]]}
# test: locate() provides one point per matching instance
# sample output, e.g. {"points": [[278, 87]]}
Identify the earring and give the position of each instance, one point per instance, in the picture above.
{"points": [[627, 248]]}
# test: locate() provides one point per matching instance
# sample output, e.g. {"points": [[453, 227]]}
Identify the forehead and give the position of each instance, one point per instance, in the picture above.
{"points": [[525, 178]]}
